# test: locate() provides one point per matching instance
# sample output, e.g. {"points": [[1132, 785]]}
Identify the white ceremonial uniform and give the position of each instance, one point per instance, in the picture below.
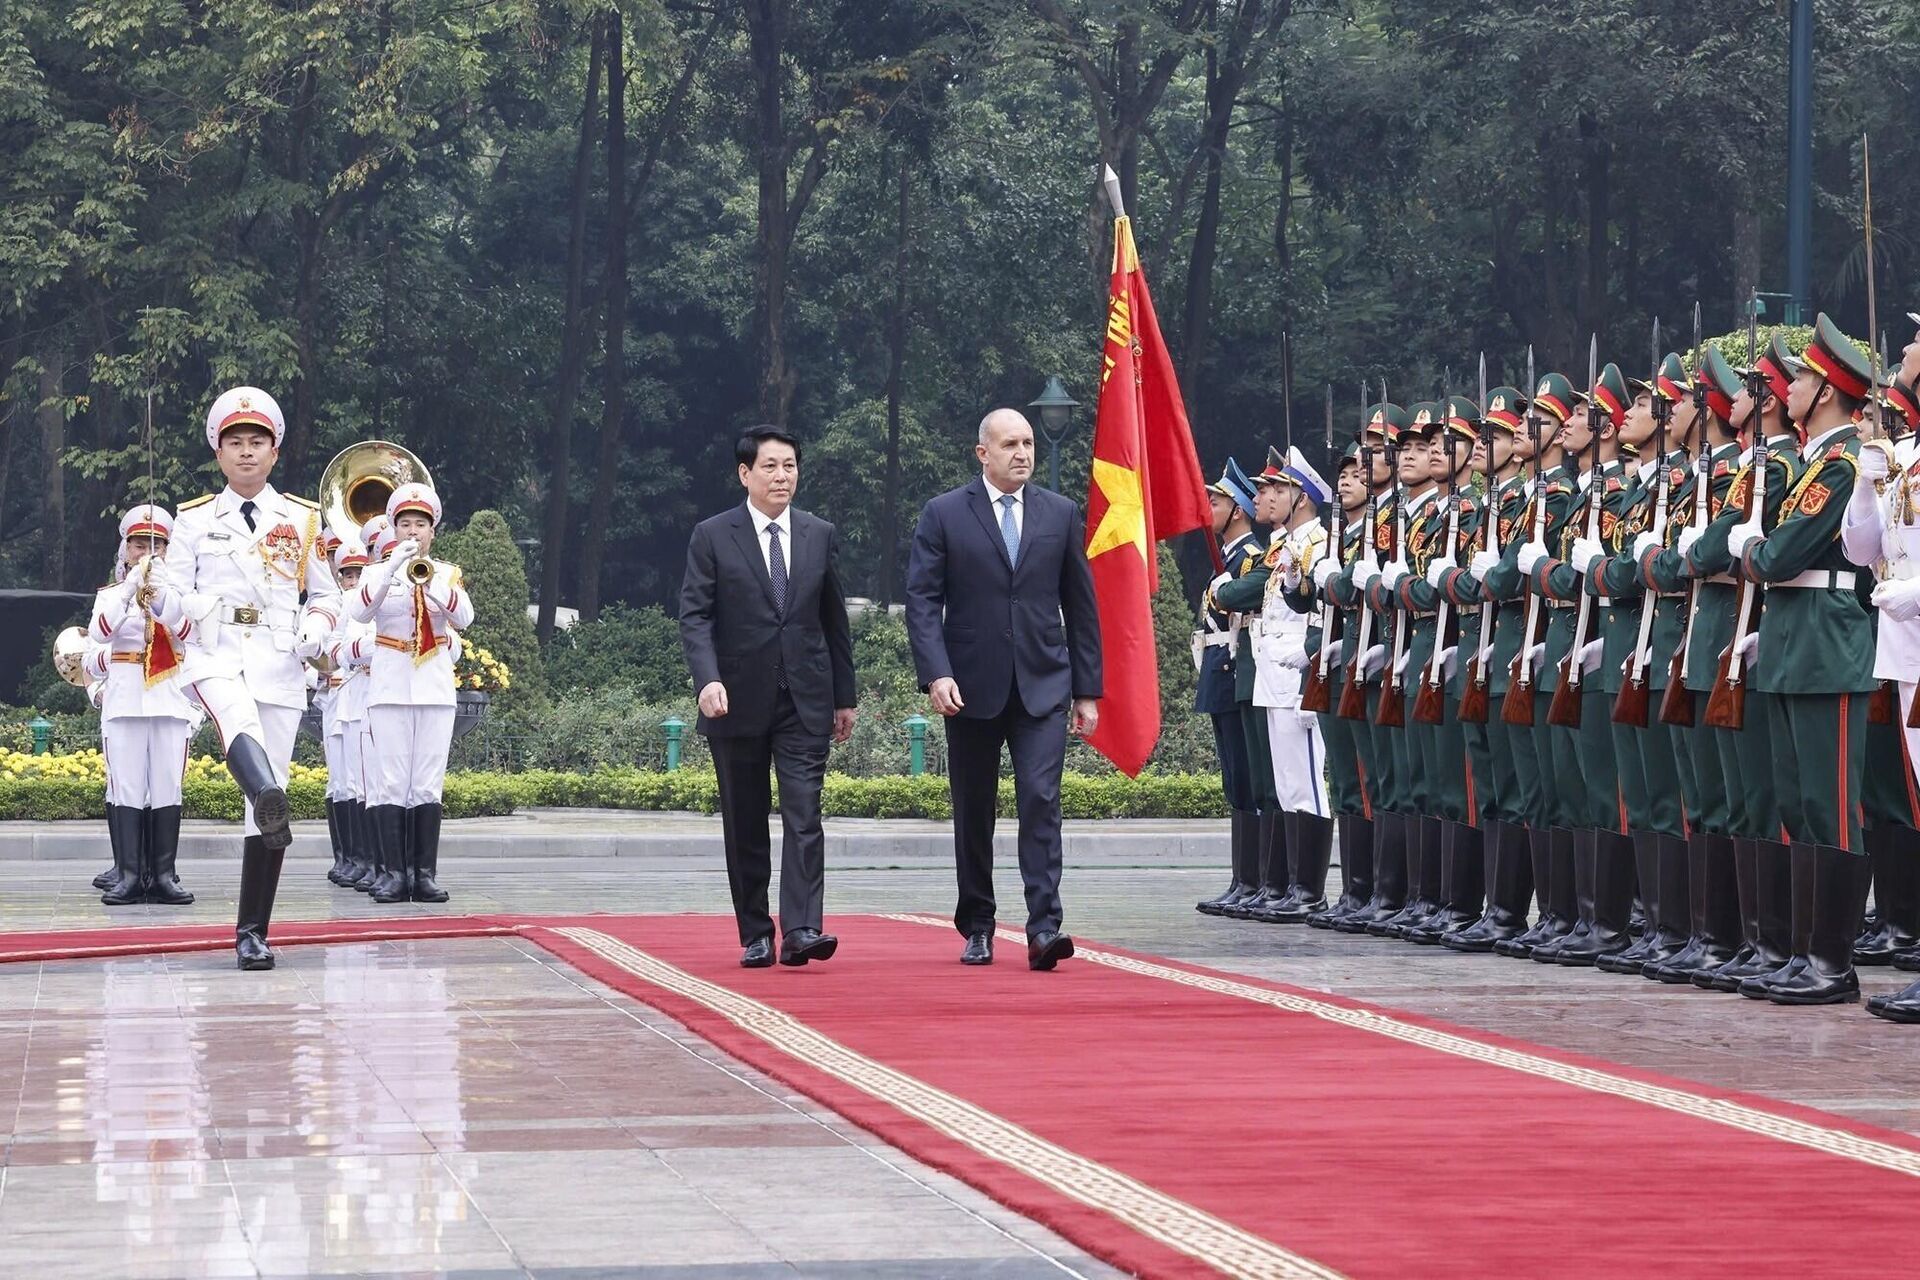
{"points": [[144, 728], [351, 648], [1279, 655], [410, 696], [1884, 536], [238, 611]]}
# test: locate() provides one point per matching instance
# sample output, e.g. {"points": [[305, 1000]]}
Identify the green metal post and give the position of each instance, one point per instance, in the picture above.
{"points": [[42, 729], [916, 745], [674, 727]]}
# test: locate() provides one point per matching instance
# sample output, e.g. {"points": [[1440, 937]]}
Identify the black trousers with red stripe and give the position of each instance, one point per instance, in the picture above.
{"points": [[1820, 749]]}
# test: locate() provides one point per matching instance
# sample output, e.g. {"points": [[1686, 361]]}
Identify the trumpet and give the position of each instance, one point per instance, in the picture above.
{"points": [[419, 571]]}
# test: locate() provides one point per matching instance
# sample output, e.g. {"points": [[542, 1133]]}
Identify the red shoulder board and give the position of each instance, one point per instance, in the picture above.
{"points": [[1722, 467], [1837, 451], [1615, 484]]}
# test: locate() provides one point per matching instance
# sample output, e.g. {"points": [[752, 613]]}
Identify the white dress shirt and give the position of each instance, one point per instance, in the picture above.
{"points": [[761, 523], [1019, 497]]}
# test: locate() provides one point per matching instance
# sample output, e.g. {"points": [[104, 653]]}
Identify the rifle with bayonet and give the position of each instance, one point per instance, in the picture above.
{"points": [[1353, 697], [1473, 679], [1633, 703], [1316, 693], [1517, 707], [1727, 704], [1676, 705], [1564, 710], [1429, 707], [1393, 693]]}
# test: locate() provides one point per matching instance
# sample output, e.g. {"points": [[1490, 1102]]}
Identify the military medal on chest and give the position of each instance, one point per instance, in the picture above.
{"points": [[281, 551]]}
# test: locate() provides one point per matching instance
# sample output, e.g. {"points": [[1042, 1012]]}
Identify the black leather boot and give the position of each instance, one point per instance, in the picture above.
{"points": [[362, 850], [259, 879], [1580, 872], [1713, 909], [338, 869], [1310, 852], [1509, 876], [106, 879], [1746, 877], [1828, 923], [1606, 908], [1548, 926], [163, 854], [1356, 871], [247, 762], [1894, 887], [393, 829], [426, 854], [1424, 841], [126, 832], [1768, 932], [1646, 875], [1239, 834], [1389, 873], [1463, 877], [1270, 872]]}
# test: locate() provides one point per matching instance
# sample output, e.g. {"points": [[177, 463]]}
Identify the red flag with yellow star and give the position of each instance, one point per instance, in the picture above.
{"points": [[1146, 486]]}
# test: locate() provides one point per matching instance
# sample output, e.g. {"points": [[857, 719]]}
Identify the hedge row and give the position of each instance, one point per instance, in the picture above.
{"points": [[470, 795]]}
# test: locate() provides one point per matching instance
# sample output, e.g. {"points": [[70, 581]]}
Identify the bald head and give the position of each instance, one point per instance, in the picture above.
{"points": [[1005, 449]]}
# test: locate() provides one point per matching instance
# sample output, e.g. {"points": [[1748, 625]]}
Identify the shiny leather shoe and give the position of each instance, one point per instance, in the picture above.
{"points": [[758, 955], [1045, 950], [979, 948], [252, 953], [802, 945]]}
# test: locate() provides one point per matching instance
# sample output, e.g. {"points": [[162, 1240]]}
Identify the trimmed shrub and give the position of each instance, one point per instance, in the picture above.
{"points": [[496, 578]]}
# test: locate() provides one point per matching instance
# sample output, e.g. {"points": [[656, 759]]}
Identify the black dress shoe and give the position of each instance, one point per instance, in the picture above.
{"points": [[758, 955], [1045, 950], [979, 948], [802, 945]]}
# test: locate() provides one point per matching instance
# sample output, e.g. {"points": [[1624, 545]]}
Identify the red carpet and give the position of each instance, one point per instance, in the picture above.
{"points": [[1177, 1121]]}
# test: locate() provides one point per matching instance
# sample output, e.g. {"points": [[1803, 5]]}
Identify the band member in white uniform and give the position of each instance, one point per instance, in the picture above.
{"points": [[410, 694], [351, 648], [145, 721], [230, 589], [345, 803]]}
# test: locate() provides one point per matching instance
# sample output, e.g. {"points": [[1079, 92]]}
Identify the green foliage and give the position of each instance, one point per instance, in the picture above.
{"points": [[496, 579], [1734, 345], [625, 647]]}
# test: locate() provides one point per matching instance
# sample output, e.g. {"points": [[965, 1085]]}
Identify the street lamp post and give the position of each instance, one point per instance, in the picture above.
{"points": [[1056, 420]]}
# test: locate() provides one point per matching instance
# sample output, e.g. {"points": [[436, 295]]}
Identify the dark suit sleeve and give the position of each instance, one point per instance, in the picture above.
{"points": [[833, 623], [698, 591], [927, 597], [1081, 613]]}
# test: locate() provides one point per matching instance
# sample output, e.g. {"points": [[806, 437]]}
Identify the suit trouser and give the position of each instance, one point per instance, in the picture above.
{"points": [[1236, 775], [799, 757], [410, 745], [1373, 766], [1491, 775], [1710, 797], [234, 712], [1299, 760], [330, 738], [146, 758], [344, 744], [1818, 782], [1037, 746], [1557, 751], [1746, 758]]}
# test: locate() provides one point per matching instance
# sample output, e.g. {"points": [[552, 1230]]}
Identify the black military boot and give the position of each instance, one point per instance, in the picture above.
{"points": [[1895, 886], [1606, 902], [1463, 871], [126, 832], [1424, 839], [1579, 895], [1773, 942], [1746, 878], [1242, 828], [338, 868], [1673, 923], [394, 830], [1547, 927], [1509, 876], [366, 849], [259, 879], [426, 854], [163, 855], [247, 762], [106, 879], [1310, 851], [1389, 873], [1356, 871], [1646, 875], [1713, 909], [1271, 873], [1828, 922]]}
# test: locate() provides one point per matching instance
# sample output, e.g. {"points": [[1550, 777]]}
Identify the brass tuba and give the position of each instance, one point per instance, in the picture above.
{"points": [[357, 483], [69, 652]]}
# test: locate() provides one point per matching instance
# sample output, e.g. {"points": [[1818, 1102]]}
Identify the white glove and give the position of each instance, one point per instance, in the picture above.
{"points": [[1486, 656], [1437, 571], [1324, 572], [1749, 649], [1366, 571], [1689, 536], [1741, 536], [1873, 463], [1400, 666], [1585, 552], [1372, 661], [164, 604], [1531, 554], [313, 636], [1590, 656], [1449, 659], [1898, 601], [1391, 575], [1482, 563], [1644, 543], [1333, 654], [410, 548], [1536, 655], [1295, 660]]}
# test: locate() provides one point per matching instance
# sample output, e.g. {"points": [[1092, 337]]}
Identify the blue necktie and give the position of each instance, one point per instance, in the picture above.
{"points": [[1009, 531], [777, 569]]}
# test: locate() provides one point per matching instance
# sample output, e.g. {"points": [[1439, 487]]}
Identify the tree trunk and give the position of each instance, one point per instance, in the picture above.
{"points": [[614, 367], [896, 367], [1206, 243], [766, 37], [572, 357], [12, 346], [1596, 178], [307, 236], [1746, 263], [52, 416]]}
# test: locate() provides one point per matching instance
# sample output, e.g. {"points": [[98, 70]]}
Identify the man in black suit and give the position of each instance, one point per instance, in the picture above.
{"points": [[764, 626], [1000, 613]]}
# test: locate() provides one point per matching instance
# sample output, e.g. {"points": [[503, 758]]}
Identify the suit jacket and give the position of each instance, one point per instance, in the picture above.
{"points": [[732, 633], [996, 627]]}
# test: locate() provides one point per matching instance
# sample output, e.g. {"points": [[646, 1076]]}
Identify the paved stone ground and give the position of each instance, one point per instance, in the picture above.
{"points": [[474, 1108]]}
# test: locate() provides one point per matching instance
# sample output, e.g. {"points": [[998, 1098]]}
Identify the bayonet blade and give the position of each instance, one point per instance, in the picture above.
{"points": [[1330, 461], [1873, 309], [1286, 387]]}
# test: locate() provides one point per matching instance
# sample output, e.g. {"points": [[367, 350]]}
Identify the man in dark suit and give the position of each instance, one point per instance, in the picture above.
{"points": [[1000, 613], [764, 626]]}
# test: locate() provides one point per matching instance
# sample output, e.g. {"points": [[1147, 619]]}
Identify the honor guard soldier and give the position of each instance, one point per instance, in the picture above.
{"points": [[1216, 650], [145, 719], [1295, 494], [1815, 658], [351, 647], [417, 605], [230, 589]]}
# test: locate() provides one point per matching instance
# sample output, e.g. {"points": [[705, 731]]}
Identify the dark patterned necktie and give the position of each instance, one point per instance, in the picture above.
{"points": [[777, 568], [246, 513]]}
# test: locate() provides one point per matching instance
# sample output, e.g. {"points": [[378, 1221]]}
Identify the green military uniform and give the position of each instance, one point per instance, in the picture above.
{"points": [[1217, 695]]}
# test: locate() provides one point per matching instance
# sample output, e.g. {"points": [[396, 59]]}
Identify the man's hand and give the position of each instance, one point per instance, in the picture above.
{"points": [[407, 550], [1742, 536], [946, 696], [713, 700], [1874, 465], [843, 718], [1086, 714], [1530, 554], [1585, 552], [1688, 536], [1482, 563]]}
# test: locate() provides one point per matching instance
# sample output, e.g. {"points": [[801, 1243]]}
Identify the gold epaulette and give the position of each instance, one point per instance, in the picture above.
{"points": [[200, 501], [305, 502]]}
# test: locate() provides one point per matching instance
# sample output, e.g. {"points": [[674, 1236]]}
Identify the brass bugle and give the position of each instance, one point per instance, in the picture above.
{"points": [[419, 571]]}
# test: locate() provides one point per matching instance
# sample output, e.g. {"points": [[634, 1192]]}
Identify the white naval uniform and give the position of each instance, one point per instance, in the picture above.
{"points": [[410, 703], [1280, 640], [143, 730], [1886, 540], [238, 611], [351, 648]]}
